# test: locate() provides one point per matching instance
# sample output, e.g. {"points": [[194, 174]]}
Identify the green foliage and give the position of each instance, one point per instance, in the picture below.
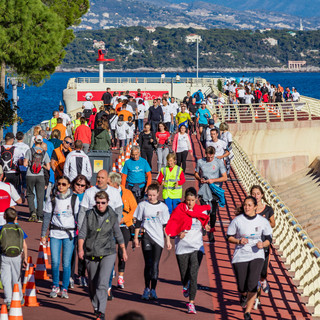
{"points": [[219, 48], [6, 110], [220, 85]]}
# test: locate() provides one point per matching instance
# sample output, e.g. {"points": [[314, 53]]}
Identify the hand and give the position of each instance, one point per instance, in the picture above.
{"points": [[182, 234], [243, 241], [176, 184], [210, 181], [122, 221], [80, 254], [203, 180], [260, 245], [169, 245], [207, 228], [25, 262], [124, 255], [136, 242], [43, 240], [151, 140]]}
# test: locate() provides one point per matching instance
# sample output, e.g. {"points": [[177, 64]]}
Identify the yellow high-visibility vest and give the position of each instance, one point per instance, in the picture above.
{"points": [[170, 178]]}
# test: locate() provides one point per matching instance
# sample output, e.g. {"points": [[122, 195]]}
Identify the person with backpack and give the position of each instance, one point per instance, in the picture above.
{"points": [[9, 197], [198, 95], [36, 159], [9, 160], [61, 215], [13, 245]]}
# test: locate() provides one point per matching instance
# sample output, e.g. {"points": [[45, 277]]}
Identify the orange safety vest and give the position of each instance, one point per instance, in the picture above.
{"points": [[60, 162], [62, 130]]}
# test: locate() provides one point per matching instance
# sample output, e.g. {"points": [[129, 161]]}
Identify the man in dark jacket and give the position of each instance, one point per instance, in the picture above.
{"points": [[155, 116], [106, 98]]}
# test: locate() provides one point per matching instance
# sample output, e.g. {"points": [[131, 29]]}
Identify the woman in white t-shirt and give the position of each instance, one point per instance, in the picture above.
{"points": [[246, 231], [60, 215], [186, 224], [181, 146], [151, 217]]}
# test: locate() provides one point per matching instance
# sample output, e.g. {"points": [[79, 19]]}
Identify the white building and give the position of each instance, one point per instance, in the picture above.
{"points": [[271, 41], [150, 29], [193, 38]]}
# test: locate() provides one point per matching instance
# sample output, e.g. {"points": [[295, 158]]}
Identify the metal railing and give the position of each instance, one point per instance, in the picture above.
{"points": [[294, 243], [265, 112]]}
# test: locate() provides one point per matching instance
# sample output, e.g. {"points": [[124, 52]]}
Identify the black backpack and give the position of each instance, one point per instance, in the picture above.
{"points": [[11, 240], [36, 160], [7, 158]]}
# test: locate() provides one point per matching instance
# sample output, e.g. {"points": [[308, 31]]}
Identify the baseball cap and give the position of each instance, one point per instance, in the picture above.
{"points": [[38, 138], [203, 102], [9, 135], [211, 121]]}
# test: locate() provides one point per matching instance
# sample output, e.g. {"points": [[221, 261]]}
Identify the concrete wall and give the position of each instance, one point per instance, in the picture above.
{"points": [[279, 149]]}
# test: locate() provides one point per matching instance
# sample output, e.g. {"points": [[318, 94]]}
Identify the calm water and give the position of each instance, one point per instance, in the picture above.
{"points": [[36, 104]]}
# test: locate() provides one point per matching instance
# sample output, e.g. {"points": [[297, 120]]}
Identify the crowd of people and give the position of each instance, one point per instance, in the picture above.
{"points": [[92, 222]]}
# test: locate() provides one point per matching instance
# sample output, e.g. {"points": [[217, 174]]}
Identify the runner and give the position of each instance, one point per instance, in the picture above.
{"points": [[185, 224], [172, 178], [147, 143], [151, 216], [163, 141], [267, 212], [247, 231]]}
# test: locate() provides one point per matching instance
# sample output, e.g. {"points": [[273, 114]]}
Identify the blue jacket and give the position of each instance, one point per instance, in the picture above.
{"points": [[201, 96]]}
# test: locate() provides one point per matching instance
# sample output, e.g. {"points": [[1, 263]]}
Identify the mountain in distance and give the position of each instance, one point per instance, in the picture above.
{"points": [[305, 8], [105, 14]]}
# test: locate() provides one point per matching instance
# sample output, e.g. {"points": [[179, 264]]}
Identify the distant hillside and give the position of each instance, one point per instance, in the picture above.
{"points": [[135, 47], [106, 14]]}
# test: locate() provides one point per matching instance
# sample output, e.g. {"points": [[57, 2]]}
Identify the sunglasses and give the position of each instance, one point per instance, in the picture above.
{"points": [[62, 184], [80, 185], [101, 202], [67, 142]]}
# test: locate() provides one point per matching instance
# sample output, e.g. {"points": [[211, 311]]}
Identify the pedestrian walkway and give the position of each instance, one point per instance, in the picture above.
{"points": [[217, 297]]}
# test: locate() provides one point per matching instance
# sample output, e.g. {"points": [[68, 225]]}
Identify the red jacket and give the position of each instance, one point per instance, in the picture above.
{"points": [[92, 120], [83, 133], [181, 218]]}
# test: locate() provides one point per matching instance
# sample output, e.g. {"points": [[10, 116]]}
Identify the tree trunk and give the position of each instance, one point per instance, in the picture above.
{"points": [[3, 85]]}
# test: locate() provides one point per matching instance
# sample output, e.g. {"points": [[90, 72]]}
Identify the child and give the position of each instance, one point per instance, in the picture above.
{"points": [[92, 118], [226, 136], [131, 128], [13, 244], [151, 215], [186, 224], [113, 119], [122, 131], [141, 114]]}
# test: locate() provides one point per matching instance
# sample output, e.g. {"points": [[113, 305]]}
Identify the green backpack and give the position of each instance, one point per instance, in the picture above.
{"points": [[11, 240]]}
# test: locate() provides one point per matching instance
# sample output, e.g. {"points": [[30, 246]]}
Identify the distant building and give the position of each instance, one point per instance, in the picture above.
{"points": [[301, 26], [150, 29], [295, 65], [193, 38], [99, 44], [292, 33], [271, 41]]}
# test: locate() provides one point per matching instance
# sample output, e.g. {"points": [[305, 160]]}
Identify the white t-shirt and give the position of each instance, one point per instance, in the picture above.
{"points": [[252, 229], [115, 200], [153, 217], [88, 105], [62, 216], [141, 111], [226, 137], [114, 101], [13, 195], [174, 108], [182, 144], [241, 93], [167, 111], [20, 152], [122, 130], [192, 240], [221, 100], [248, 98], [220, 146], [131, 129], [65, 118], [295, 96]]}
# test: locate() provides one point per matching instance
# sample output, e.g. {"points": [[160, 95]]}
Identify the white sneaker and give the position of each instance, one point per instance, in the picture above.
{"points": [[54, 292]]}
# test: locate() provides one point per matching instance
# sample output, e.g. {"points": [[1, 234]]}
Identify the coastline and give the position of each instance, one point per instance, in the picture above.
{"points": [[192, 70]]}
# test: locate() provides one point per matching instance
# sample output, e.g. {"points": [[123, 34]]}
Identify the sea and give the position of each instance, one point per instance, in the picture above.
{"points": [[37, 103]]}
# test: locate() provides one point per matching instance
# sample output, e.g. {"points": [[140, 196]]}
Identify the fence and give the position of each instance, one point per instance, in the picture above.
{"points": [[294, 243]]}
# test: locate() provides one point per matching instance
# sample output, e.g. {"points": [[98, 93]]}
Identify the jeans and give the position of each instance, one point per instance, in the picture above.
{"points": [[38, 183], [171, 203], [140, 125], [67, 251], [162, 157]]}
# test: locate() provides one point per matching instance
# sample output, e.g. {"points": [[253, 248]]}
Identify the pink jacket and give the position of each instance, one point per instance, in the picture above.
{"points": [[175, 143]]}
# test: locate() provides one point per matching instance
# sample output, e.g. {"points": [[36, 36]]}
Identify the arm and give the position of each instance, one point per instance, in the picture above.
{"points": [[45, 225], [149, 178], [123, 179], [226, 153], [25, 253], [234, 240], [81, 216], [272, 222], [80, 249], [136, 233], [221, 179]]}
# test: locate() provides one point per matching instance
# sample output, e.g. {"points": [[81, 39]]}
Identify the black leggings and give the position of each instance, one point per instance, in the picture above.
{"points": [[264, 272], [152, 254], [248, 274], [114, 138], [182, 159], [189, 265], [126, 236], [147, 154]]}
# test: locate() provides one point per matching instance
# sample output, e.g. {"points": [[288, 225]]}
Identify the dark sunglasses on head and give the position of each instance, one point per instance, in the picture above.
{"points": [[101, 202], [80, 185], [62, 184]]}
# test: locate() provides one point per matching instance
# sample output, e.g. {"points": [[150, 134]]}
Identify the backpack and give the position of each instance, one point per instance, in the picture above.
{"points": [[7, 158], [5, 200], [197, 96], [36, 160], [11, 240]]}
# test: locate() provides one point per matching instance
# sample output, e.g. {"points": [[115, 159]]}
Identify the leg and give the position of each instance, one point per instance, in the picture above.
{"points": [[16, 273], [86, 147], [6, 279], [93, 273], [159, 154], [156, 255], [168, 202], [149, 157], [165, 152], [147, 255], [30, 194], [179, 158], [55, 246], [126, 236], [68, 246], [74, 257], [175, 202], [183, 262], [184, 160], [194, 265], [40, 184]]}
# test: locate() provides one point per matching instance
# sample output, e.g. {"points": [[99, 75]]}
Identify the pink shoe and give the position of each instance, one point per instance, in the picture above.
{"points": [[191, 308], [120, 283]]}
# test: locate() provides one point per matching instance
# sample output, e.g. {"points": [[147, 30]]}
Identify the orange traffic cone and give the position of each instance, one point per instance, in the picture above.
{"points": [[278, 113], [30, 298], [26, 275], [4, 312], [122, 159], [46, 259], [15, 312], [114, 169], [127, 155], [256, 115], [41, 270], [130, 145]]}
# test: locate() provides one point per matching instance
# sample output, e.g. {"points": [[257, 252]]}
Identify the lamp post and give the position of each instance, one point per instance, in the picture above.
{"points": [[197, 57]]}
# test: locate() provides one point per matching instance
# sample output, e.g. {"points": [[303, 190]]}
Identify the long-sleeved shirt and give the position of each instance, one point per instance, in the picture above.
{"points": [[155, 114], [77, 162]]}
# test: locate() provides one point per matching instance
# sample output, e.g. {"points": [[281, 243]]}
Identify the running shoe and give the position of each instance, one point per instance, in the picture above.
{"points": [[54, 292], [265, 286], [185, 290], [83, 282], [40, 220], [64, 294], [71, 283], [243, 301], [191, 308], [33, 217], [146, 294], [100, 316], [247, 316], [153, 295], [120, 283]]}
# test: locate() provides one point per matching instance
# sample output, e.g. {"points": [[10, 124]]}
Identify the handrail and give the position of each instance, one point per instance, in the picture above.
{"points": [[294, 242]]}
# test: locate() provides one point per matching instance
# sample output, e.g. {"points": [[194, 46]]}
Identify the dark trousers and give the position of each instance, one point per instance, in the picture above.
{"points": [[81, 262], [154, 126], [182, 159], [13, 178], [126, 236], [37, 183], [147, 154], [114, 138], [189, 265]]}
